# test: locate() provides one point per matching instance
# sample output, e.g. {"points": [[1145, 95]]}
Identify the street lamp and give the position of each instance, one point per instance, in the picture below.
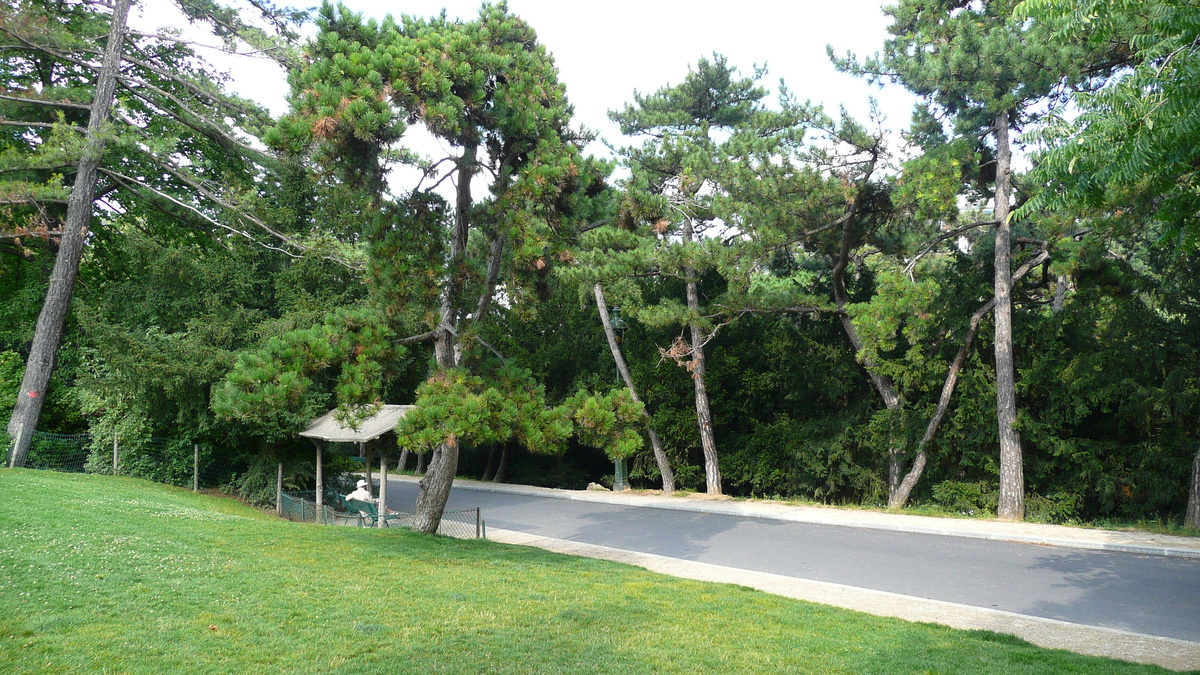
{"points": [[620, 472], [617, 323]]}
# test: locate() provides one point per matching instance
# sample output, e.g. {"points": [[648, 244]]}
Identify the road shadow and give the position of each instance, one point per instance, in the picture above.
{"points": [[1158, 595]]}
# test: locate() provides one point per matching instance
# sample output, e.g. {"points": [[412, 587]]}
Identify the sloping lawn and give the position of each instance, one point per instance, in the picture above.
{"points": [[102, 574]]}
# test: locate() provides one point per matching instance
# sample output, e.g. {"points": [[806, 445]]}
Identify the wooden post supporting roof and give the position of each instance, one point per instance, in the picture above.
{"points": [[382, 490], [320, 477], [327, 429]]}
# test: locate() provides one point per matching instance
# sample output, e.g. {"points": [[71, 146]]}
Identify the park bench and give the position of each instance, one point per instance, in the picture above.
{"points": [[368, 514]]}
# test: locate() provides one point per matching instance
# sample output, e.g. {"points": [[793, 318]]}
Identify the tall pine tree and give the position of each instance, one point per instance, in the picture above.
{"points": [[974, 63]]}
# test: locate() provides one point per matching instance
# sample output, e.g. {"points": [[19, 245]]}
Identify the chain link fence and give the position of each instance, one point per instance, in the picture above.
{"points": [[302, 510], [300, 507]]}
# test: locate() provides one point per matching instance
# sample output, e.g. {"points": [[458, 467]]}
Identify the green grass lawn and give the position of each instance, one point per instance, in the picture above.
{"points": [[117, 575]]}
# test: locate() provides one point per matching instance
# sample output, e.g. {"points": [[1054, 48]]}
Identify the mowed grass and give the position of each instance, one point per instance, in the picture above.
{"points": [[114, 575]]}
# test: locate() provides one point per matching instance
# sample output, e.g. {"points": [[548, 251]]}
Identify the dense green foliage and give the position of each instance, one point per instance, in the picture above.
{"points": [[1129, 150], [825, 262], [135, 577]]}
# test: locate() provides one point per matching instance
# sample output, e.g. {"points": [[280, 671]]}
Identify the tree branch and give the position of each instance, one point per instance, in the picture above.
{"points": [[192, 87], [20, 201], [414, 339], [796, 309], [908, 268], [493, 275], [129, 182], [44, 101], [42, 125], [208, 128]]}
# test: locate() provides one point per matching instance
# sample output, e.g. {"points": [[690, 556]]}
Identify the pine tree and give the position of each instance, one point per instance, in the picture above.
{"points": [[986, 70], [48, 332], [488, 89], [159, 131], [672, 189]]}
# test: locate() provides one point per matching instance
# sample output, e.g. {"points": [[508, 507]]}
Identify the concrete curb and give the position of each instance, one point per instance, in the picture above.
{"points": [[1091, 640], [1027, 533]]}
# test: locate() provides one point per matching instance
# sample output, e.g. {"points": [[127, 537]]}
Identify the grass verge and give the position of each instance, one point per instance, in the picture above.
{"points": [[105, 574]]}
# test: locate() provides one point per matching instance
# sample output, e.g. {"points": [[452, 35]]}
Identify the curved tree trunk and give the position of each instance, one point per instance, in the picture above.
{"points": [[502, 470], [708, 441], [48, 333], [883, 385], [1012, 473], [898, 497], [490, 469], [660, 455], [435, 485], [1192, 518]]}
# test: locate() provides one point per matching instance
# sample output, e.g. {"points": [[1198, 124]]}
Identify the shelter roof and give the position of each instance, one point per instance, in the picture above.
{"points": [[326, 428]]}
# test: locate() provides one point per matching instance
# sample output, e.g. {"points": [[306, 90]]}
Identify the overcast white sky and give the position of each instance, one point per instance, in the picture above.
{"points": [[605, 51]]}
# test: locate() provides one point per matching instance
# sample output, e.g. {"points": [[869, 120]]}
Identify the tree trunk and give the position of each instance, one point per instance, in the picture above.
{"points": [[502, 470], [898, 497], [366, 455], [1060, 293], [660, 455], [420, 470], [48, 333], [1012, 475], [883, 385], [1192, 519], [435, 485], [490, 469], [708, 442], [403, 461]]}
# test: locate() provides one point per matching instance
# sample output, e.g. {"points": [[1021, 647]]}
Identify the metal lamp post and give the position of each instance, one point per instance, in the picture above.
{"points": [[618, 325], [620, 471]]}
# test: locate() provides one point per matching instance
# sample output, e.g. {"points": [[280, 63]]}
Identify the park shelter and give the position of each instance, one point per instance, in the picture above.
{"points": [[327, 429]]}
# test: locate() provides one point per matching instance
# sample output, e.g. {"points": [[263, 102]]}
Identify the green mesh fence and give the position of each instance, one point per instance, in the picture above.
{"points": [[199, 466], [460, 523], [55, 452], [164, 460]]}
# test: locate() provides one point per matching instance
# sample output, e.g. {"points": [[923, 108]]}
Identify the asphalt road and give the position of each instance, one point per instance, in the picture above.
{"points": [[1152, 595]]}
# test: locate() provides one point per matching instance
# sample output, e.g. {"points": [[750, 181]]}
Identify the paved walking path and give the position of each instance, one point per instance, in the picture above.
{"points": [[1171, 653]]}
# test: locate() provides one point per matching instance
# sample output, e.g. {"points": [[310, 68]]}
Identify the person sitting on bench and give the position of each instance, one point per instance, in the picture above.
{"points": [[362, 493]]}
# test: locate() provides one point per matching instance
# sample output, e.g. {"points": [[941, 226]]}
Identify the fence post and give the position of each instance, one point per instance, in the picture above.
{"points": [[476, 522], [195, 467], [116, 455], [279, 490]]}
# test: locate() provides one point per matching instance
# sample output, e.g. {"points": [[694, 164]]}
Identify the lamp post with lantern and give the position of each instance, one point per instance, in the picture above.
{"points": [[620, 470]]}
